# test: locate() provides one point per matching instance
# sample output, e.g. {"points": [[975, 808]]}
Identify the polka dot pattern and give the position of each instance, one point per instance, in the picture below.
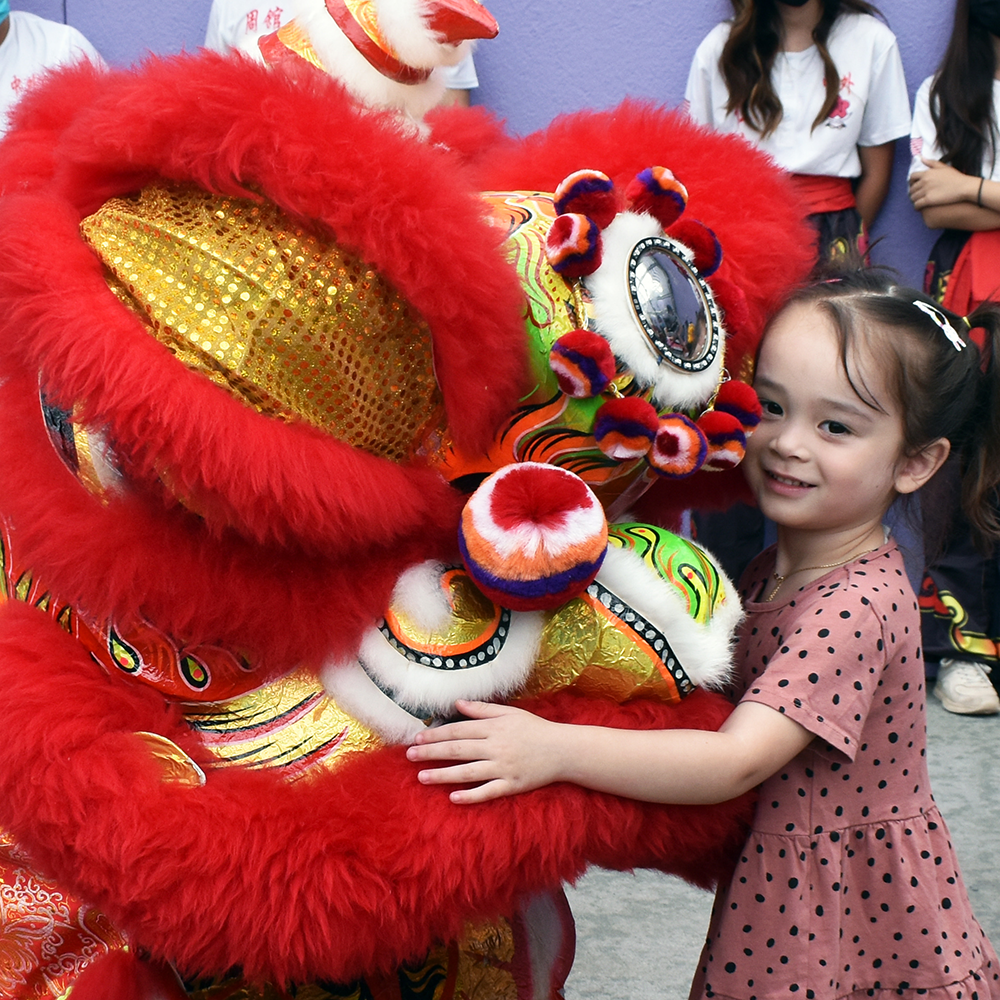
{"points": [[848, 884]]}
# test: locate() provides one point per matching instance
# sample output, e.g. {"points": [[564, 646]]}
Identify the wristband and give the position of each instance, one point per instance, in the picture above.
{"points": [[979, 196]]}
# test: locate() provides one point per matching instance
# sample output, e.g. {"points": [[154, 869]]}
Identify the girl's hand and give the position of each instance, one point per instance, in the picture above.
{"points": [[941, 185], [506, 750]]}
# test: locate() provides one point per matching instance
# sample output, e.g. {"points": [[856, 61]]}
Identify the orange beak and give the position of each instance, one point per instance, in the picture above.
{"points": [[456, 20]]}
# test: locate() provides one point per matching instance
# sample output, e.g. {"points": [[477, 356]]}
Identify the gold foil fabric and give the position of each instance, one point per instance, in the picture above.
{"points": [[176, 766], [473, 621], [288, 724], [587, 646], [294, 326]]}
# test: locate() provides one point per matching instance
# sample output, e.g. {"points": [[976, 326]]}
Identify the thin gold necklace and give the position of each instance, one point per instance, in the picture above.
{"points": [[805, 569]]}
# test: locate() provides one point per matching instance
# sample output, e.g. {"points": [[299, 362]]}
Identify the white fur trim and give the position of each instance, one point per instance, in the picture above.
{"points": [[617, 322], [705, 652], [423, 688], [358, 695], [365, 83], [419, 595]]}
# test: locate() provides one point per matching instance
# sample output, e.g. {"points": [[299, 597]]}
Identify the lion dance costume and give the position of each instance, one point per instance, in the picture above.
{"points": [[258, 348]]}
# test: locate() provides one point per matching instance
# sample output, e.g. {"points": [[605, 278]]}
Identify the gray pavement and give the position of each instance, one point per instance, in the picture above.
{"points": [[639, 935]]}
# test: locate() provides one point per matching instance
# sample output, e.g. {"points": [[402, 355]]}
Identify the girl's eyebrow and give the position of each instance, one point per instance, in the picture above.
{"points": [[859, 410], [862, 412]]}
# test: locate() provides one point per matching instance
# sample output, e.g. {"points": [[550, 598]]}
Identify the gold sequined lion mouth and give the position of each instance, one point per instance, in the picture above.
{"points": [[291, 325]]}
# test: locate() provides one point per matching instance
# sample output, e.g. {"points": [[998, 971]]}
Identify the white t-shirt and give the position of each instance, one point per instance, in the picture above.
{"points": [[923, 135], [231, 23], [873, 108], [33, 45]]}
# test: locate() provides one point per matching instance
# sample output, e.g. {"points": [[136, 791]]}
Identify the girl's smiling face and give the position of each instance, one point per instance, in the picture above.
{"points": [[823, 459]]}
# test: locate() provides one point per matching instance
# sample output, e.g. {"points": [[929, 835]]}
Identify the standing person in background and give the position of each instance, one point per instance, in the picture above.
{"points": [[955, 185], [819, 85], [29, 45], [232, 23]]}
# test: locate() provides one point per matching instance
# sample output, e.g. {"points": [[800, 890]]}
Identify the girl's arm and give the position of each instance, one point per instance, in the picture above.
{"points": [[873, 185], [947, 199], [504, 751]]}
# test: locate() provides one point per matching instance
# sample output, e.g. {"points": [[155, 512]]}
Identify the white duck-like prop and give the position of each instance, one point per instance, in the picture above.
{"points": [[383, 51]]}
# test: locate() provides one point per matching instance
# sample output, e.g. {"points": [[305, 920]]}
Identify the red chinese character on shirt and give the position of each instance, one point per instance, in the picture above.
{"points": [[251, 20], [273, 19], [16, 84]]}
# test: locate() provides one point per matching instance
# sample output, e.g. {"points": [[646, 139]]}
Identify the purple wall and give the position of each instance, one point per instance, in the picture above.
{"points": [[545, 62]]}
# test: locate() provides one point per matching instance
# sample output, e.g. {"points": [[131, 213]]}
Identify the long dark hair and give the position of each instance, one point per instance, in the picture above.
{"points": [[962, 95], [941, 391], [749, 54]]}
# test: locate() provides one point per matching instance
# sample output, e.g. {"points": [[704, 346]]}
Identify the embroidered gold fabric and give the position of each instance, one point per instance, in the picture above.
{"points": [[47, 936], [294, 326]]}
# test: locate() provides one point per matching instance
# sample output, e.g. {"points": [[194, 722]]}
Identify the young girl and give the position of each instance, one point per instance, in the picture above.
{"points": [[819, 85], [955, 184], [848, 884]]}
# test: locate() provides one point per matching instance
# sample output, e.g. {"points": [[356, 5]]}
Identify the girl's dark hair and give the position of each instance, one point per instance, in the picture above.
{"points": [[961, 97], [941, 391], [748, 58]]}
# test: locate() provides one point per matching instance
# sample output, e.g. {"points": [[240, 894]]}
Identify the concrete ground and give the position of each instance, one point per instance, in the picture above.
{"points": [[639, 936]]}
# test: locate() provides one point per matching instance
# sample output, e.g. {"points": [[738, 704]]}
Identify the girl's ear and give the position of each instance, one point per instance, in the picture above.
{"points": [[914, 471]]}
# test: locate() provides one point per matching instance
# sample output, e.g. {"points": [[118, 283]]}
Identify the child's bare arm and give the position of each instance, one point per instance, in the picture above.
{"points": [[504, 751]]}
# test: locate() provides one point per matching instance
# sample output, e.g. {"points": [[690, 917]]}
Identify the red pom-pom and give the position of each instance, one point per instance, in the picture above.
{"points": [[625, 428], [727, 442], [573, 246], [656, 191], [740, 400], [583, 363], [533, 536], [590, 193], [680, 447], [698, 237]]}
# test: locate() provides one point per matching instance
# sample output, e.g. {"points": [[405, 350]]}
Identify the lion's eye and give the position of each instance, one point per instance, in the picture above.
{"points": [[671, 306]]}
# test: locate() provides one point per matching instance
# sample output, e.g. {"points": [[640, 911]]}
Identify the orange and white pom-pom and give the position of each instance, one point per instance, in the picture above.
{"points": [[533, 536], [658, 193], [590, 193], [583, 363], [573, 246], [727, 441], [679, 449], [625, 428]]}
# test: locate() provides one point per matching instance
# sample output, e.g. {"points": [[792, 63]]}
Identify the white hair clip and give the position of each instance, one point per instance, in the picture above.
{"points": [[941, 320]]}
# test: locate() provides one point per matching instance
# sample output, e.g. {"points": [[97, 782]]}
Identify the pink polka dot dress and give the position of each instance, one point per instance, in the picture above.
{"points": [[848, 885]]}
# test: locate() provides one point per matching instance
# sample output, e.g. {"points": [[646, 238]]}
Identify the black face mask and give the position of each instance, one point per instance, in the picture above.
{"points": [[986, 13]]}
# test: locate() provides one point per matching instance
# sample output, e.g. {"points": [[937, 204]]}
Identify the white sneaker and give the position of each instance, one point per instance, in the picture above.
{"points": [[964, 688]]}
